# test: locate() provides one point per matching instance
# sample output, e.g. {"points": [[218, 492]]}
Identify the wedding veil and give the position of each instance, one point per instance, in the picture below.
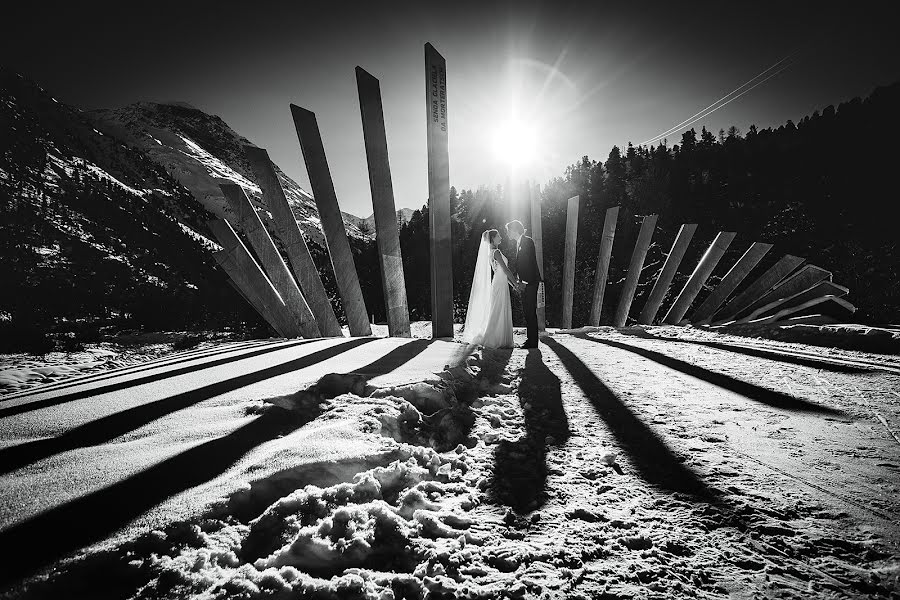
{"points": [[480, 296]]}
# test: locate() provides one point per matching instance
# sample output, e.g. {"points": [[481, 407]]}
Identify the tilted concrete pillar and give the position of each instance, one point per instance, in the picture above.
{"points": [[781, 303], [823, 305], [834, 307], [785, 265], [568, 291], [806, 277], [729, 283], [823, 288], [237, 261], [534, 193], [439, 193], [701, 273], [634, 270], [670, 268], [221, 257], [601, 273], [248, 223], [288, 232], [386, 234], [332, 221]]}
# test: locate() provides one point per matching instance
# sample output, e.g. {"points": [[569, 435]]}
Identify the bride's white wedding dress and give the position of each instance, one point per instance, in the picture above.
{"points": [[489, 317]]}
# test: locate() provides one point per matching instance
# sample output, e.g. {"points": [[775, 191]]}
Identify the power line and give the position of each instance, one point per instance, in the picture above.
{"points": [[726, 99]]}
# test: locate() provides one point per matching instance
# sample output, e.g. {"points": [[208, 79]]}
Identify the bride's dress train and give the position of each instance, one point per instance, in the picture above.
{"points": [[489, 317]]}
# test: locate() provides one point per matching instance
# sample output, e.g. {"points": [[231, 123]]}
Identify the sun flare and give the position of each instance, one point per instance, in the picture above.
{"points": [[515, 142]]}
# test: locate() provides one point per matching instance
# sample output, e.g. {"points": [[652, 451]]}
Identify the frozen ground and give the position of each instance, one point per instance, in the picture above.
{"points": [[22, 371], [644, 463], [19, 372]]}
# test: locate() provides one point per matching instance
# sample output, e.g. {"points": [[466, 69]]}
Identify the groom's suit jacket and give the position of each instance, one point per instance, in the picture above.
{"points": [[526, 265]]}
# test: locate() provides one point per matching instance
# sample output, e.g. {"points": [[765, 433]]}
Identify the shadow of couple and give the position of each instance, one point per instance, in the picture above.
{"points": [[520, 466]]}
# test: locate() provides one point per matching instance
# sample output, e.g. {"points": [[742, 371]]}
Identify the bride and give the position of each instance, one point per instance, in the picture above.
{"points": [[489, 317]]}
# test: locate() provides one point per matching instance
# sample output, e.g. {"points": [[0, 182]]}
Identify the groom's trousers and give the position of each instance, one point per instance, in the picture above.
{"points": [[529, 307]]}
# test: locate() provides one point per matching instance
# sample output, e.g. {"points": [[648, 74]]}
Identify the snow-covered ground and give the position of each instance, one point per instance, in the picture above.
{"points": [[20, 372], [643, 462]]}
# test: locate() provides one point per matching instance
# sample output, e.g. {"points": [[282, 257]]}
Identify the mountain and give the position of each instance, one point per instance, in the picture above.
{"points": [[93, 231], [367, 225], [103, 213], [200, 150], [103, 216]]}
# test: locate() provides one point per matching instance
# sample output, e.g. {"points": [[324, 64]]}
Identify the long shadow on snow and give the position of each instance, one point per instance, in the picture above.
{"points": [[520, 467], [394, 359], [112, 426], [654, 460], [493, 365], [743, 388], [760, 353], [122, 385], [156, 363], [91, 518]]}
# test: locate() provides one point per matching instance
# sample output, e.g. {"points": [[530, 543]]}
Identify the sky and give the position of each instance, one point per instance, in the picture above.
{"points": [[579, 77]]}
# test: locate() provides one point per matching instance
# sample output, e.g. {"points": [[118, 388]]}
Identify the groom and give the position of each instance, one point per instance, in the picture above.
{"points": [[528, 277]]}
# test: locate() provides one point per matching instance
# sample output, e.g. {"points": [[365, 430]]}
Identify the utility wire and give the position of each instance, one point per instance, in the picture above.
{"points": [[726, 99]]}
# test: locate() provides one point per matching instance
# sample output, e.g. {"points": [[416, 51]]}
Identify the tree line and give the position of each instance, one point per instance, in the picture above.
{"points": [[820, 188], [80, 252]]}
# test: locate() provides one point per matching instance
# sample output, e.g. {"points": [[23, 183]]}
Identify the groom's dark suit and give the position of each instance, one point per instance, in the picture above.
{"points": [[525, 266]]}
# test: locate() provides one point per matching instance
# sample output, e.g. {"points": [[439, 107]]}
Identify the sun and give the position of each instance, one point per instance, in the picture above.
{"points": [[515, 142]]}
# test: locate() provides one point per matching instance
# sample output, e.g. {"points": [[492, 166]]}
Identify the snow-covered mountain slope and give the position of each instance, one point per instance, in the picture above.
{"points": [[119, 200], [201, 150], [367, 225], [94, 227]]}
